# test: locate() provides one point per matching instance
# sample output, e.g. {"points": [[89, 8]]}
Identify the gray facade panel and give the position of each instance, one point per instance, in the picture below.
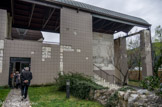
{"points": [[3, 23], [76, 31], [43, 71]]}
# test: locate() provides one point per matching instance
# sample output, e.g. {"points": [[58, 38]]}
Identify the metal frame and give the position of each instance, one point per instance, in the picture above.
{"points": [[43, 3], [33, 6], [49, 17]]}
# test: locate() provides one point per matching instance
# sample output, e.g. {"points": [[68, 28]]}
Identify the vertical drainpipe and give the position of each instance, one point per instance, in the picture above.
{"points": [[151, 50]]}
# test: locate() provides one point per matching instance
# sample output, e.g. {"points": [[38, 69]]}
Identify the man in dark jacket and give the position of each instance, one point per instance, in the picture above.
{"points": [[26, 77]]}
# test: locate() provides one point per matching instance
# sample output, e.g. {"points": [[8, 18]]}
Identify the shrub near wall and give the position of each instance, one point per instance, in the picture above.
{"points": [[150, 83], [80, 85], [134, 75]]}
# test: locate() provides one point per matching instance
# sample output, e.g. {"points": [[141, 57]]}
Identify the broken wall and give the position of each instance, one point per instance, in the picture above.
{"points": [[103, 54], [103, 51]]}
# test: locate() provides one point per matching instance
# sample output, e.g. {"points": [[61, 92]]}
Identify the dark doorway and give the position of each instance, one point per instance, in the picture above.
{"points": [[17, 64]]}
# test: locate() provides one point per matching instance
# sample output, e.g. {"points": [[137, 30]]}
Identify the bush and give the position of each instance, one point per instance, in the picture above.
{"points": [[80, 85], [113, 100], [159, 91], [161, 86], [150, 83], [125, 88], [4, 87]]}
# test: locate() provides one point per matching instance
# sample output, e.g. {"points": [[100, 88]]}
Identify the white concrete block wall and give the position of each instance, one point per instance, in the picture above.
{"points": [[103, 51], [147, 69]]}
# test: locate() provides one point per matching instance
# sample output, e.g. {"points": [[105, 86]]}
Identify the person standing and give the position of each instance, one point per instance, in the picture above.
{"points": [[26, 77], [12, 80], [17, 79]]}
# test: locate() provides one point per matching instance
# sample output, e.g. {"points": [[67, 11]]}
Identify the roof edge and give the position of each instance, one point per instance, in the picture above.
{"points": [[146, 25], [54, 4]]}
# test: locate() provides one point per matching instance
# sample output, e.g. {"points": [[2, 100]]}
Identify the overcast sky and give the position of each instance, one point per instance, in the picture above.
{"points": [[150, 10]]}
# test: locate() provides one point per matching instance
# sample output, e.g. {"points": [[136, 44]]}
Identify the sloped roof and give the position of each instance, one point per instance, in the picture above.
{"points": [[44, 15], [101, 11]]}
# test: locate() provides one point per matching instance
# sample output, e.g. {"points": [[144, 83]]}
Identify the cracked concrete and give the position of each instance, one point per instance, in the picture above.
{"points": [[14, 99]]}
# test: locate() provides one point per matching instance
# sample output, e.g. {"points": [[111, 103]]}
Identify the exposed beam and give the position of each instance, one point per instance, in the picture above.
{"points": [[112, 27], [115, 28], [39, 11], [34, 28], [132, 34], [48, 18], [97, 21], [31, 15], [101, 24], [17, 23], [43, 3], [106, 25], [56, 24], [20, 6], [12, 10], [57, 28], [35, 20], [46, 14], [21, 12], [129, 28]]}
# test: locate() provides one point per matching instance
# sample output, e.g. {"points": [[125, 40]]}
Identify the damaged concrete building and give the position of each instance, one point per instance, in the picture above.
{"points": [[86, 45]]}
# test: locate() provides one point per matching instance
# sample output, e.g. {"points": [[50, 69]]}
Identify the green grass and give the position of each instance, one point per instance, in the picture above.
{"points": [[3, 94], [134, 83], [49, 96]]}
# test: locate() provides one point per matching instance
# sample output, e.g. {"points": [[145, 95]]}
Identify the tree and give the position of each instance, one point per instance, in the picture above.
{"points": [[133, 46], [134, 53], [157, 50]]}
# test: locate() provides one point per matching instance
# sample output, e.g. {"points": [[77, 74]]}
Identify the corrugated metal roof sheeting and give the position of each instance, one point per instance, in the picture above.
{"points": [[102, 11]]}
